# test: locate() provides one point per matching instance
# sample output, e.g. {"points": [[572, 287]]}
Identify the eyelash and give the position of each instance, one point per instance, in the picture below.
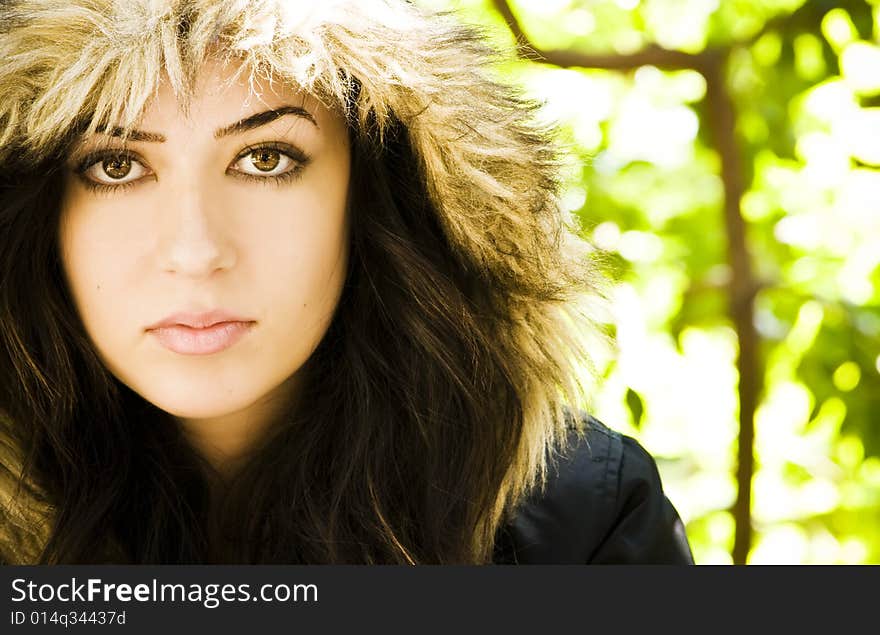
{"points": [[299, 158]]}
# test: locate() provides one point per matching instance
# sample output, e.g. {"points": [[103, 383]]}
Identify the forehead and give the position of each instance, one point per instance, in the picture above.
{"points": [[224, 92]]}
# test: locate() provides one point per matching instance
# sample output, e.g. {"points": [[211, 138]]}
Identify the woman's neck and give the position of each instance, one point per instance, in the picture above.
{"points": [[225, 441]]}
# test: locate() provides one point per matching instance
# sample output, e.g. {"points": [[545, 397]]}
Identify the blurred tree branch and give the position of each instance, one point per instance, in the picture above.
{"points": [[743, 286], [654, 55]]}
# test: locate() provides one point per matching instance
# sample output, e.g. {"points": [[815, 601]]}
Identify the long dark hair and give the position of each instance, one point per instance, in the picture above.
{"points": [[406, 428]]}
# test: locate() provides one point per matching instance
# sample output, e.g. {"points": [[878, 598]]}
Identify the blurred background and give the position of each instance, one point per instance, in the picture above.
{"points": [[725, 159]]}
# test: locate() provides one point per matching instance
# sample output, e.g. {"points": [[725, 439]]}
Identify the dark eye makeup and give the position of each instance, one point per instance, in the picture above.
{"points": [[298, 162]]}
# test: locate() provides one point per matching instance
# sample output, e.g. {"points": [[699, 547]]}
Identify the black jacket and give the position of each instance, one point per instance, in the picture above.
{"points": [[603, 504]]}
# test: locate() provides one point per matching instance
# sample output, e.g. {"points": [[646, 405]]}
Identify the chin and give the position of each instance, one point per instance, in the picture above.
{"points": [[193, 400], [195, 409]]}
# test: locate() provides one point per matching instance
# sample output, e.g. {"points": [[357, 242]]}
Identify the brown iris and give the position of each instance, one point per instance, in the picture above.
{"points": [[266, 159], [117, 167]]}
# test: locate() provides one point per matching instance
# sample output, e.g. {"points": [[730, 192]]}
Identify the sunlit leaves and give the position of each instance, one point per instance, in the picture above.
{"points": [[838, 28]]}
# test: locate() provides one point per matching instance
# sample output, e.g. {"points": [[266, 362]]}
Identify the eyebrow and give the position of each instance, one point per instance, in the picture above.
{"points": [[262, 118], [248, 123]]}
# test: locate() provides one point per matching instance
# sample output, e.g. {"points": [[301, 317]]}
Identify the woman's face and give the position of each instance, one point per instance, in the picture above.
{"points": [[236, 213]]}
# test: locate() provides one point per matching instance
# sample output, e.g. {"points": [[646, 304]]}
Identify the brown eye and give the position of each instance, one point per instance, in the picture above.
{"points": [[267, 162], [117, 167], [265, 159], [113, 169]]}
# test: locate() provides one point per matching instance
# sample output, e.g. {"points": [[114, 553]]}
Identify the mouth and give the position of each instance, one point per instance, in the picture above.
{"points": [[188, 340]]}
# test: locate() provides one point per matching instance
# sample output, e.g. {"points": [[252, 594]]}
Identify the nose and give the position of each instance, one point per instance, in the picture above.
{"points": [[196, 240]]}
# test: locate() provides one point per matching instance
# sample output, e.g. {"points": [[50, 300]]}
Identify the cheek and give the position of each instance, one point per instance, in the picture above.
{"points": [[304, 261], [98, 253]]}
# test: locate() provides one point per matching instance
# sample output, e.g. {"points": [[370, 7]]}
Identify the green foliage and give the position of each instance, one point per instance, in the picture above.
{"points": [[646, 183]]}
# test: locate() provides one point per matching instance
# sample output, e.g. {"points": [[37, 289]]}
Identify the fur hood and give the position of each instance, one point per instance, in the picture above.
{"points": [[490, 169]]}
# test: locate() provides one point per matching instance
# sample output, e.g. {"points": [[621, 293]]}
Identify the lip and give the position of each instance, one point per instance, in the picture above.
{"points": [[198, 320], [201, 341], [190, 333]]}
